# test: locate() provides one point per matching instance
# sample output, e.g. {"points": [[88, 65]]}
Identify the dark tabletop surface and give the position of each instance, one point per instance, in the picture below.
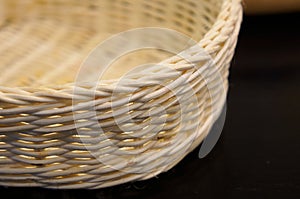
{"points": [[258, 154]]}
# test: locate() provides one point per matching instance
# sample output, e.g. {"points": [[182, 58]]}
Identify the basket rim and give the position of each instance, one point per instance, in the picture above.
{"points": [[68, 88]]}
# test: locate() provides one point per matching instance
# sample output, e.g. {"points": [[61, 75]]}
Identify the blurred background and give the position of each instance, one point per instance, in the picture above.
{"points": [[258, 154]]}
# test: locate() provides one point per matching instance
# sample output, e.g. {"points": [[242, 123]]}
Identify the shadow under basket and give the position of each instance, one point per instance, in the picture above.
{"points": [[60, 129]]}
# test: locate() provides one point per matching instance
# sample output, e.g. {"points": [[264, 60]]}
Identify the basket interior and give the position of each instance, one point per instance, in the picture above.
{"points": [[45, 41]]}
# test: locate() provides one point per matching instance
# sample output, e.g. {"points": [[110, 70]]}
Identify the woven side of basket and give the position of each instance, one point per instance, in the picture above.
{"points": [[39, 143]]}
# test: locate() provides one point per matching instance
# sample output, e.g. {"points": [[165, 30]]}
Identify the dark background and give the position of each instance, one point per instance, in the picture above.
{"points": [[258, 154]]}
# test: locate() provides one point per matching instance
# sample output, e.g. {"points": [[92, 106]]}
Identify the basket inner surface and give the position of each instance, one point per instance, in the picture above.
{"points": [[44, 42]]}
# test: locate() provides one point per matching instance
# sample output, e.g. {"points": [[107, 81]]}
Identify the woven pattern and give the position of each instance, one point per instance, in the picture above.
{"points": [[43, 43]]}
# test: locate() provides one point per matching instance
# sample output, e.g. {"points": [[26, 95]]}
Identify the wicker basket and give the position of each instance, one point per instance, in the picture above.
{"points": [[44, 42]]}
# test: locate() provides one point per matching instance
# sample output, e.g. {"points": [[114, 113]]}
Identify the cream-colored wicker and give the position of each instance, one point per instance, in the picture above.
{"points": [[44, 42]]}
